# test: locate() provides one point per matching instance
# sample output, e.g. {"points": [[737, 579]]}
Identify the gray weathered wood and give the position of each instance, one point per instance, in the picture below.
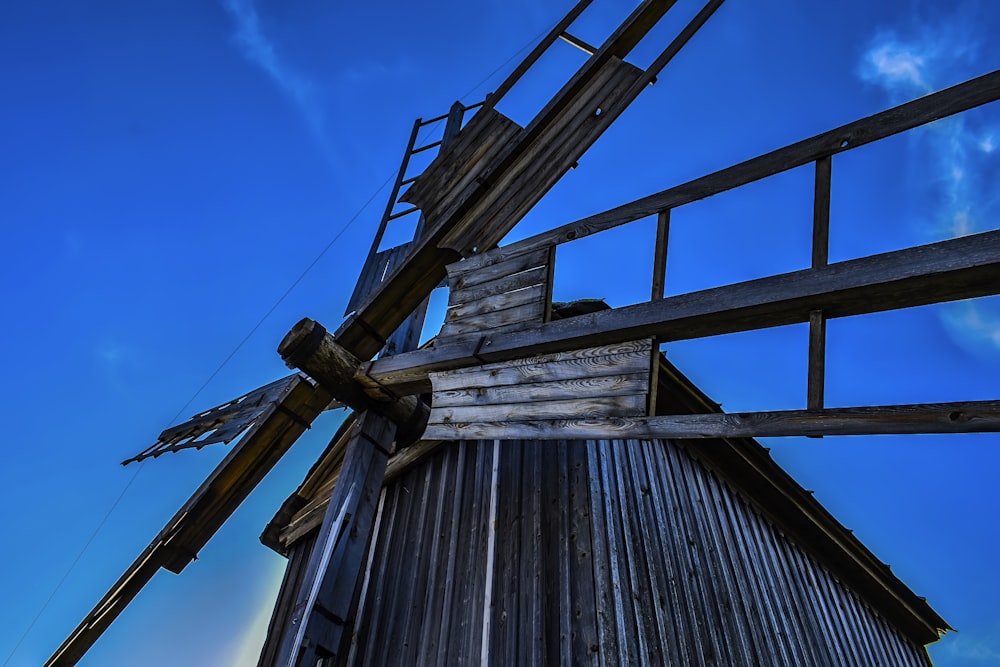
{"points": [[526, 314], [949, 270], [309, 347], [821, 212], [542, 369], [459, 277], [971, 417], [496, 302], [205, 511], [816, 381], [536, 276], [323, 602], [583, 408], [634, 383]]}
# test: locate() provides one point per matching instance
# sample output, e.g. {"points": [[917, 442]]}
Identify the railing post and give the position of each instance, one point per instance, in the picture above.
{"points": [[820, 254]]}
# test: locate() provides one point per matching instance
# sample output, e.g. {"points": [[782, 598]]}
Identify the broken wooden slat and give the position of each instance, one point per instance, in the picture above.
{"points": [[582, 407], [206, 510], [525, 314], [227, 421], [460, 277], [496, 302], [536, 276], [969, 417]]}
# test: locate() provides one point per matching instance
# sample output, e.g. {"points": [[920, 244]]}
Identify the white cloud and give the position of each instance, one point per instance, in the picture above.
{"points": [[957, 152], [896, 66], [255, 46]]}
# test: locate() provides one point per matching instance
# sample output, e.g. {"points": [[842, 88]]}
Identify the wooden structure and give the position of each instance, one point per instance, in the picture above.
{"points": [[540, 485]]}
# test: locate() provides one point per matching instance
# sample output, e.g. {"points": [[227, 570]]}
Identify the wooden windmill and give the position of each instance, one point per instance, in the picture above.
{"points": [[540, 485]]}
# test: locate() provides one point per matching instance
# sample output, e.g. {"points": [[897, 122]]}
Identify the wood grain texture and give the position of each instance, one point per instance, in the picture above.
{"points": [[970, 417], [547, 368], [536, 276], [496, 302], [524, 314], [634, 383], [949, 270], [959, 98], [580, 407]]}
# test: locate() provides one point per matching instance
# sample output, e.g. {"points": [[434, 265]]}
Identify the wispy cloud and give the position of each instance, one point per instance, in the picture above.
{"points": [[959, 152], [259, 50]]}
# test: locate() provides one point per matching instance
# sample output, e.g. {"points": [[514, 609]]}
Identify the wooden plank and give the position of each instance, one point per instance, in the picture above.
{"points": [[323, 602], [970, 417], [816, 381], [521, 373], [634, 383], [583, 408], [204, 512], [536, 276], [949, 270], [821, 212], [507, 267], [526, 313], [532, 172], [496, 302], [660, 254], [962, 97], [481, 260]]}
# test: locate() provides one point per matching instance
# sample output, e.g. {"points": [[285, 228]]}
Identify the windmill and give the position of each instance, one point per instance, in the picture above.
{"points": [[502, 324]]}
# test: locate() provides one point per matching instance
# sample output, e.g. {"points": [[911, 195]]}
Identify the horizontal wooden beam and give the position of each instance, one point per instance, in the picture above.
{"points": [[950, 270], [959, 98], [973, 417]]}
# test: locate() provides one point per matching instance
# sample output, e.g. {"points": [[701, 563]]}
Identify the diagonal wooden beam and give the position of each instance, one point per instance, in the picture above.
{"points": [[945, 271]]}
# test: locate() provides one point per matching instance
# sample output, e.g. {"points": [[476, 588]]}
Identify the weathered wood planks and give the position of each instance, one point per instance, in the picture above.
{"points": [[507, 291], [969, 417], [583, 384]]}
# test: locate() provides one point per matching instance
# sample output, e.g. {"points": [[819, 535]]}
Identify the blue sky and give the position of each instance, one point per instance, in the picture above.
{"points": [[171, 168]]}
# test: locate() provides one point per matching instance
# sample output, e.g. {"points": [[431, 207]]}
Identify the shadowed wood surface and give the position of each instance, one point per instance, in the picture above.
{"points": [[970, 417]]}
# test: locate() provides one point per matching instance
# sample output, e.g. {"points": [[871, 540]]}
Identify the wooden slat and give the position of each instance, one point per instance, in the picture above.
{"points": [[536, 276], [533, 171], [458, 171], [507, 267], [949, 270], [577, 408], [496, 302], [971, 417], [518, 372], [204, 512], [959, 98], [633, 383], [526, 314]]}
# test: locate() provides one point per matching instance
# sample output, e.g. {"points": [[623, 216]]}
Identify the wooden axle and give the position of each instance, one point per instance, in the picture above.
{"points": [[311, 349]]}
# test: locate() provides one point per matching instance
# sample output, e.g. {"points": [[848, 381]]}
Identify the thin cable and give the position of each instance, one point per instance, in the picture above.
{"points": [[232, 354], [508, 61], [117, 501], [73, 565]]}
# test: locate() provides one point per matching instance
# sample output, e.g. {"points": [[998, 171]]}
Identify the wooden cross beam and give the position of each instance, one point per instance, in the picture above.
{"points": [[949, 270]]}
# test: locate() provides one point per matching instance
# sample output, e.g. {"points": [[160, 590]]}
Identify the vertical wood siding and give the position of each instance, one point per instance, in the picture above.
{"points": [[603, 553]]}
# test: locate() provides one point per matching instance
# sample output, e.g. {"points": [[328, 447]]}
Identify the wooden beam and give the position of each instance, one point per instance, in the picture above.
{"points": [[309, 347], [962, 97], [322, 608], [971, 417], [204, 512], [816, 381], [949, 270]]}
